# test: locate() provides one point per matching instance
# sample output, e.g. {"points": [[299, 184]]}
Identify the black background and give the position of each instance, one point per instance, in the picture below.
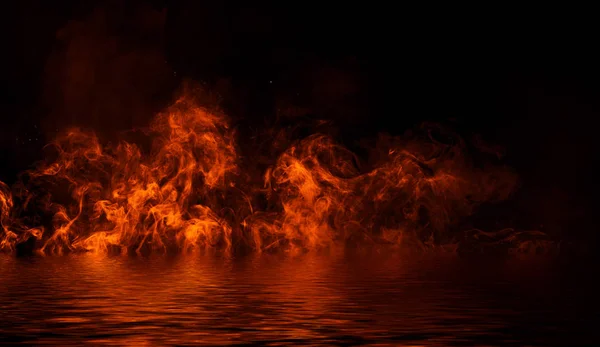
{"points": [[526, 79]]}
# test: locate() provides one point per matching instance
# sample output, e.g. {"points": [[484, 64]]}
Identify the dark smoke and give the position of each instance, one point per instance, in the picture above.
{"points": [[108, 70]]}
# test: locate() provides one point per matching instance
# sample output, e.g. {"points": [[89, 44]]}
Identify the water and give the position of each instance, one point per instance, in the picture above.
{"points": [[384, 299]]}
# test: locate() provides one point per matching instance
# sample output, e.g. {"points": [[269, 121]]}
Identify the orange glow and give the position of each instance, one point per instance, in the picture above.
{"points": [[187, 192]]}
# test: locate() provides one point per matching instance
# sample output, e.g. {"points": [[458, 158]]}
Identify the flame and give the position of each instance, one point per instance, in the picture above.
{"points": [[187, 192], [8, 237]]}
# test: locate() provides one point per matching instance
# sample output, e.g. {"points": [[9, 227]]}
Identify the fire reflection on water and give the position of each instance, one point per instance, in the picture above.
{"points": [[312, 298]]}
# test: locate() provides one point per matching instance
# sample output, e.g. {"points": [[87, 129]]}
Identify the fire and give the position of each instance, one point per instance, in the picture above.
{"points": [[188, 191]]}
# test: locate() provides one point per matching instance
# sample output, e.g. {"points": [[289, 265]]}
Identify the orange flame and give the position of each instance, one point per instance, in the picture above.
{"points": [[185, 192]]}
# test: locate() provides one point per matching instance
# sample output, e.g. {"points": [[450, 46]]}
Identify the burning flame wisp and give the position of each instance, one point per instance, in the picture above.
{"points": [[188, 192]]}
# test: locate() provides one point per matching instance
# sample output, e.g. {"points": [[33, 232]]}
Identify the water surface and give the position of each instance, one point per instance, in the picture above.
{"points": [[368, 299]]}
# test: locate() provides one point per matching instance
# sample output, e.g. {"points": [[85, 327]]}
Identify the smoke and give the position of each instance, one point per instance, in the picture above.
{"points": [[201, 185], [107, 71]]}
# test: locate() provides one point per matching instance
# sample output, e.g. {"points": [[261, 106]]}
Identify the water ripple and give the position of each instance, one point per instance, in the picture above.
{"points": [[274, 300]]}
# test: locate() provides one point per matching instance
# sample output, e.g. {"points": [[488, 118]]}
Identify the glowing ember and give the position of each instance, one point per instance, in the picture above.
{"points": [[189, 192]]}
